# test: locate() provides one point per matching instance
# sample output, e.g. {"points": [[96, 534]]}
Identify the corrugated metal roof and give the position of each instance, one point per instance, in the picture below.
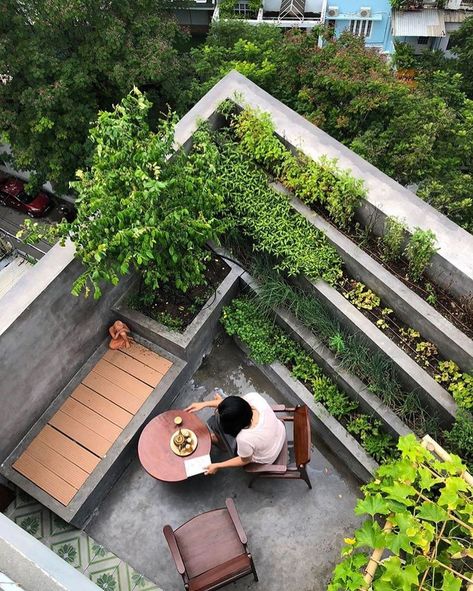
{"points": [[456, 16], [422, 23]]}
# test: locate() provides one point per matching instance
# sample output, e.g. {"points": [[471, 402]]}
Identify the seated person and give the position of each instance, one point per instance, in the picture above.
{"points": [[258, 434], [119, 333]]}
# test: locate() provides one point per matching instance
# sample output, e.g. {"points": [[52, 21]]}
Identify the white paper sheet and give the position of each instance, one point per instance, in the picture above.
{"points": [[197, 465]]}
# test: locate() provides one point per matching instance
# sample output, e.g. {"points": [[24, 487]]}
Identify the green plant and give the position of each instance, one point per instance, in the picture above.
{"points": [[267, 218], [462, 391], [362, 297], [313, 182], [337, 343], [419, 250], [392, 241], [137, 209], [377, 443], [449, 372], [460, 437], [381, 322], [425, 506], [425, 351], [404, 56], [431, 294]]}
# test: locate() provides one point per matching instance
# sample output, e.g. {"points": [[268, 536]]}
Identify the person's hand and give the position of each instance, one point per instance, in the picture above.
{"points": [[211, 469], [195, 407], [217, 397]]}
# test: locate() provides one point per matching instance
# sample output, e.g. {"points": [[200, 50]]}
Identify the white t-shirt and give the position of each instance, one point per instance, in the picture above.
{"points": [[262, 442]]}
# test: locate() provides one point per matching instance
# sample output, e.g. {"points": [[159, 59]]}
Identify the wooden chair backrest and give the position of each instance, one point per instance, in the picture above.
{"points": [[302, 440]]}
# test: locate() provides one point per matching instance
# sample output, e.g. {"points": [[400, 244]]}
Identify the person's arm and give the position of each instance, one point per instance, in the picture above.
{"points": [[232, 463], [196, 406]]}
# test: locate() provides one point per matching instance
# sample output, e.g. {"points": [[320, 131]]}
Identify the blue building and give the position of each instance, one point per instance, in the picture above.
{"points": [[370, 19]]}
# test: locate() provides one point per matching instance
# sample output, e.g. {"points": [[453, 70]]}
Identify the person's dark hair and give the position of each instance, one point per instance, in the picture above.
{"points": [[235, 414]]}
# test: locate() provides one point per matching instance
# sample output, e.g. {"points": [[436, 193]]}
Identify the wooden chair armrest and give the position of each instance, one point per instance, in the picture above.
{"points": [[232, 511], [274, 468], [173, 547], [282, 408]]}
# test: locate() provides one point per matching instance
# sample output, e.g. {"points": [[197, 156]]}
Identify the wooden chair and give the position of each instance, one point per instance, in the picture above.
{"points": [[210, 550], [301, 443]]}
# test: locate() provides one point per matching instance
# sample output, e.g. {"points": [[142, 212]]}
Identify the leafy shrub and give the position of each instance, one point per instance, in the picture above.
{"points": [[377, 443], [267, 218], [313, 182], [362, 297], [393, 239], [419, 250], [425, 504], [460, 437], [459, 384]]}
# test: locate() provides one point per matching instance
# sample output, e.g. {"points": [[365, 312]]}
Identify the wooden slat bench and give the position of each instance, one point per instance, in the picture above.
{"points": [[78, 436]]}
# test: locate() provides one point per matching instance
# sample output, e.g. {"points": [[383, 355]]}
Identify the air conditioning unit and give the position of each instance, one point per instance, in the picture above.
{"points": [[332, 11], [365, 12]]}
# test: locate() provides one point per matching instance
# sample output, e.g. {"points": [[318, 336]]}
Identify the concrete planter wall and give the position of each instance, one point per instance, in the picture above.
{"points": [[346, 381], [408, 306], [436, 398], [197, 338]]}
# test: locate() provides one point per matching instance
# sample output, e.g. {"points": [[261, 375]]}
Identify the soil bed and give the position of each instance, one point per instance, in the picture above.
{"points": [[459, 313], [176, 309]]}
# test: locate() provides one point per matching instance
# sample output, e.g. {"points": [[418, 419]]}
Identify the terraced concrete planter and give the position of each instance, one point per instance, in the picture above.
{"points": [[409, 307], [326, 427], [346, 381], [197, 338], [437, 399]]}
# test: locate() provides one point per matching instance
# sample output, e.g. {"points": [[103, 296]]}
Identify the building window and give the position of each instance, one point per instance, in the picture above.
{"points": [[360, 28], [243, 9], [422, 40], [449, 44]]}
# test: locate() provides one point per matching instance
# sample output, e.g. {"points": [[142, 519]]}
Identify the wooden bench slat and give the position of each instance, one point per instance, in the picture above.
{"points": [[80, 433], [68, 448], [134, 367], [149, 358], [112, 392], [91, 419], [102, 406], [121, 378], [44, 478], [58, 464]]}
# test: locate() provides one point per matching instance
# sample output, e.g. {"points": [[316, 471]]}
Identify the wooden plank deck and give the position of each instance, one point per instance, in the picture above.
{"points": [[67, 450]]}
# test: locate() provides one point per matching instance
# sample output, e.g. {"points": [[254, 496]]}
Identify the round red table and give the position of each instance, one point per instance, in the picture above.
{"points": [[154, 450]]}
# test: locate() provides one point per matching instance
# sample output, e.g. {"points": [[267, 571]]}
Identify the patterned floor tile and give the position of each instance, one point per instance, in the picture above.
{"points": [[70, 550], [77, 548], [106, 578], [137, 582], [31, 521]]}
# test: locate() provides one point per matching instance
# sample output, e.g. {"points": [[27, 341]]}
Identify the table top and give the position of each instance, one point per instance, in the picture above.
{"points": [[154, 450]]}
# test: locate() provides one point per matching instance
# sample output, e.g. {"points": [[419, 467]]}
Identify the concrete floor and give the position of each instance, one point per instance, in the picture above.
{"points": [[294, 534]]}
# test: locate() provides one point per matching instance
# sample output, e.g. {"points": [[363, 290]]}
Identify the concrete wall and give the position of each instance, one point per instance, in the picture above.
{"points": [[44, 346]]}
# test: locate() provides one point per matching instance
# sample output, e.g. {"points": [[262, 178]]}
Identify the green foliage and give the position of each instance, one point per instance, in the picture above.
{"points": [[393, 239], [460, 437], [72, 59], [267, 218], [313, 182], [377, 443], [137, 210], [362, 297], [247, 320], [462, 46], [404, 56], [419, 250], [227, 8], [375, 369], [458, 383], [428, 506]]}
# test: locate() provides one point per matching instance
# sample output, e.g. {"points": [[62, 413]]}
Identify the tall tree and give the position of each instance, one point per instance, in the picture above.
{"points": [[463, 47], [61, 62]]}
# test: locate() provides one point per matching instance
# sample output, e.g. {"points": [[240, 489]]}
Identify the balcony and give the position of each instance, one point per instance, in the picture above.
{"points": [[283, 13]]}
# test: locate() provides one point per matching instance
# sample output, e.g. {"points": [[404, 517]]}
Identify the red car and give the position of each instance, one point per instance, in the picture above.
{"points": [[13, 194]]}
